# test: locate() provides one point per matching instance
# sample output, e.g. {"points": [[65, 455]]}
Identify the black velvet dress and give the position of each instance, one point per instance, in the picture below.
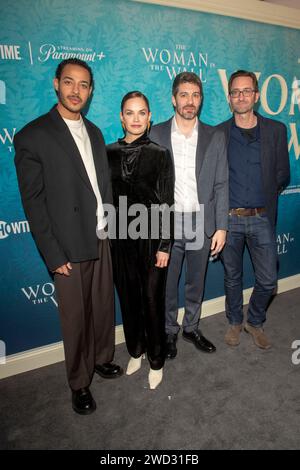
{"points": [[143, 172]]}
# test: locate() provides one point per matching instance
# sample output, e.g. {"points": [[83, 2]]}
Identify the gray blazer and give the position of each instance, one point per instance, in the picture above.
{"points": [[211, 172]]}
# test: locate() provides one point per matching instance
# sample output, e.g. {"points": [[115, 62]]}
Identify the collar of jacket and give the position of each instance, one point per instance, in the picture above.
{"points": [[143, 139]]}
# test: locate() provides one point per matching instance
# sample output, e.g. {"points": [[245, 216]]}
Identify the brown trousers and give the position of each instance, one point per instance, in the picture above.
{"points": [[86, 307]]}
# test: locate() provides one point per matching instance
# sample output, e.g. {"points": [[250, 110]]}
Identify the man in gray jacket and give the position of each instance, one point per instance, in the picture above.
{"points": [[201, 206]]}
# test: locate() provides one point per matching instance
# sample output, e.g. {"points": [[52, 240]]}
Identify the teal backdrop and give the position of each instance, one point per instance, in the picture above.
{"points": [[129, 45]]}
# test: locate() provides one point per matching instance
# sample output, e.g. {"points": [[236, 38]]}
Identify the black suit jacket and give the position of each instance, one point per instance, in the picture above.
{"points": [[57, 195], [211, 171], [275, 163]]}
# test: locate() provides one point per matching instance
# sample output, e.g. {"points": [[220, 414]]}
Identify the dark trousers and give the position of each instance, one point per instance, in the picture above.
{"points": [[86, 307], [141, 289], [196, 265], [258, 235], [196, 255]]}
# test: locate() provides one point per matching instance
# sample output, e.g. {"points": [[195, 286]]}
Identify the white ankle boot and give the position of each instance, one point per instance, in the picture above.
{"points": [[155, 377], [134, 364]]}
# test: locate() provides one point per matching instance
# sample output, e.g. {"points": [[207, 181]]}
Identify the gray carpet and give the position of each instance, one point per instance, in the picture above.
{"points": [[241, 398]]}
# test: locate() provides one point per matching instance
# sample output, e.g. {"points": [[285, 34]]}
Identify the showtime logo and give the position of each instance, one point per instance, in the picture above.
{"points": [[13, 228], [283, 241], [10, 52], [40, 294], [2, 92], [181, 59]]}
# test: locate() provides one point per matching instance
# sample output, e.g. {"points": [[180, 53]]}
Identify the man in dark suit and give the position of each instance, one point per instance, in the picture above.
{"points": [[64, 183], [258, 170], [201, 202]]}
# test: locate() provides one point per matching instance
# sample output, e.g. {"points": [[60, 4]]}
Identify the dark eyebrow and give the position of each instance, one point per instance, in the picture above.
{"points": [[143, 109], [70, 78]]}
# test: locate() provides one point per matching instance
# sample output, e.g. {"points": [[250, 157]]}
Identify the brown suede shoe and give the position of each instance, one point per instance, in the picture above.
{"points": [[232, 337], [258, 336]]}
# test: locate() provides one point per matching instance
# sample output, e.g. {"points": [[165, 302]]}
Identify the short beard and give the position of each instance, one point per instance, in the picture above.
{"points": [[65, 104], [189, 116], [243, 111]]}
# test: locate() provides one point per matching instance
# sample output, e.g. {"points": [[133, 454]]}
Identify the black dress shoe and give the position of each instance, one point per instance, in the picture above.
{"points": [[199, 341], [108, 370], [83, 402], [171, 350]]}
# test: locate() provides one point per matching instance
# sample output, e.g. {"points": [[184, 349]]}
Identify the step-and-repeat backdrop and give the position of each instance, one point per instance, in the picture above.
{"points": [[129, 46]]}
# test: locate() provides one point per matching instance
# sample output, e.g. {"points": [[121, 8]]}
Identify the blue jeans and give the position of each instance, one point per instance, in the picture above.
{"points": [[258, 235]]}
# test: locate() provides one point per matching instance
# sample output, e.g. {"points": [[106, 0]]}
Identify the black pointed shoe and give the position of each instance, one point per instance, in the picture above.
{"points": [[171, 349], [108, 370], [83, 402], [199, 341]]}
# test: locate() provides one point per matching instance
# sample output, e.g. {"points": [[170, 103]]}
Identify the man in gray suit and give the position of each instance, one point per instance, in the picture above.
{"points": [[201, 202]]}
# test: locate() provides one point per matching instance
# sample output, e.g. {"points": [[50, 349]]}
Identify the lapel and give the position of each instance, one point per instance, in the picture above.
{"points": [[263, 145], [166, 139], [66, 141], [97, 150], [202, 143], [226, 128]]}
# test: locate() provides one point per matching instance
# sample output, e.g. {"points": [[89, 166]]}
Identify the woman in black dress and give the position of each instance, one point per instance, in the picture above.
{"points": [[142, 173]]}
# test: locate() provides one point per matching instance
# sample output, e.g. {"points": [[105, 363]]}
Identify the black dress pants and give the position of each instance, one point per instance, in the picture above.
{"points": [[141, 290]]}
